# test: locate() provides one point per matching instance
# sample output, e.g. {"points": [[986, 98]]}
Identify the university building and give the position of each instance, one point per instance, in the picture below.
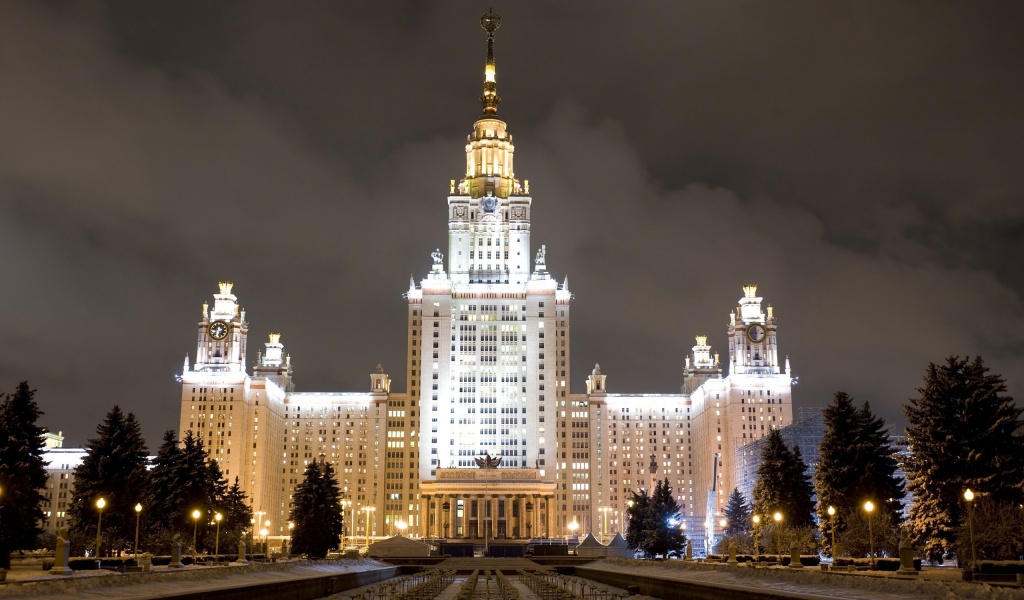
{"points": [[488, 441]]}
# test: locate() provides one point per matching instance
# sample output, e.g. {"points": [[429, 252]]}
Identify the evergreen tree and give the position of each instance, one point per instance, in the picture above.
{"points": [[737, 515], [316, 512], [654, 522], [184, 479], [964, 432], [836, 467], [201, 485], [637, 517], [237, 516], [114, 468], [783, 484], [167, 501], [877, 463], [22, 472], [856, 463]]}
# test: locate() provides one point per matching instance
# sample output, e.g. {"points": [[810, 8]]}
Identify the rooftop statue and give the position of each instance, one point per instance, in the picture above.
{"points": [[487, 461]]}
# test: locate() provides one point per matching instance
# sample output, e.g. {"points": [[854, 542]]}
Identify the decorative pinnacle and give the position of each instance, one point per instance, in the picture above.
{"points": [[490, 23], [225, 287], [749, 291]]}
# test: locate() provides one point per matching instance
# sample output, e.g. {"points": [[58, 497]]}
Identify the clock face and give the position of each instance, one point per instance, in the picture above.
{"points": [[218, 330], [756, 333]]}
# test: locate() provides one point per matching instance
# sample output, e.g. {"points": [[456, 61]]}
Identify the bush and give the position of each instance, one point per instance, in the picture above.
{"points": [[82, 564], [881, 564], [1003, 567], [807, 560]]}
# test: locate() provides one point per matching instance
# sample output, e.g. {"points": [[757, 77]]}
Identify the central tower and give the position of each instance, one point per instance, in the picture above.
{"points": [[489, 211], [488, 339]]}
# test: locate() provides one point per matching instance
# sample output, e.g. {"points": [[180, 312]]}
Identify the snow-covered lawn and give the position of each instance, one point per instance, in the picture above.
{"points": [[40, 584], [940, 583]]}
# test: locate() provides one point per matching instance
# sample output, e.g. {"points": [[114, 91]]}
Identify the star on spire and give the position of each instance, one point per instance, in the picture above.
{"points": [[490, 23]]}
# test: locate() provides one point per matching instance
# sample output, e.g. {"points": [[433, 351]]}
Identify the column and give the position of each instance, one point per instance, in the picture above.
{"points": [[438, 517], [494, 515], [424, 515], [447, 516], [521, 521], [516, 521], [534, 519], [549, 502], [517, 527]]}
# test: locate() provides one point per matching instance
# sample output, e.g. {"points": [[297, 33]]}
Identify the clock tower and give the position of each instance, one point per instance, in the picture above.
{"points": [[221, 340], [753, 349]]}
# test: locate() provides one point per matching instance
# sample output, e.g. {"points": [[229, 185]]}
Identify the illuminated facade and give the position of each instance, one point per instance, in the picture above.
{"points": [[488, 371]]}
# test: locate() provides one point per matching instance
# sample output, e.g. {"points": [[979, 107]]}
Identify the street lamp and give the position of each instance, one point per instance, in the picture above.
{"points": [[216, 546], [869, 507], [99, 523], [757, 526], [195, 528], [344, 517], [572, 527], [368, 509], [402, 526], [969, 497], [266, 541], [625, 522], [604, 514], [138, 512], [832, 524], [778, 533]]}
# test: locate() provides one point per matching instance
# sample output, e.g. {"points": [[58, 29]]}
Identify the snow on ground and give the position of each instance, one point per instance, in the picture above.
{"points": [[938, 584], [808, 581], [162, 580]]}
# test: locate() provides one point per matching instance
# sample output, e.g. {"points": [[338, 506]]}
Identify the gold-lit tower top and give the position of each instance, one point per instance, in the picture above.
{"points": [[490, 23]]}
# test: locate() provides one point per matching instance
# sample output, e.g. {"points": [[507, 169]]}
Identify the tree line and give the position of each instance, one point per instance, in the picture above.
{"points": [[179, 493], [964, 432], [167, 491]]}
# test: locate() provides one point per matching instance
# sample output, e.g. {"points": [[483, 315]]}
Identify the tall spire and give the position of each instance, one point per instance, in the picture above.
{"points": [[490, 23]]}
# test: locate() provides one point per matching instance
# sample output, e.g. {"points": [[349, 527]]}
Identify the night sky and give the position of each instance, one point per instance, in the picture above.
{"points": [[861, 162]]}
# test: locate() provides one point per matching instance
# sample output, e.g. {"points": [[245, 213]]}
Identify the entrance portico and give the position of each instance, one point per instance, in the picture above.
{"points": [[487, 503]]}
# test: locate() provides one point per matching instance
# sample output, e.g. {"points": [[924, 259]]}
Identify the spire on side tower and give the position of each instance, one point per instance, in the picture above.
{"points": [[490, 23]]}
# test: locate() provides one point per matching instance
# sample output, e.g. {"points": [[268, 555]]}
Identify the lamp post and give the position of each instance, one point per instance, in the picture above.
{"points": [[99, 524], [757, 526], [195, 529], [604, 516], [216, 545], [777, 517], [969, 497], [344, 516], [368, 509], [266, 541], [138, 513], [571, 527], [625, 522], [869, 507], [832, 524], [402, 526]]}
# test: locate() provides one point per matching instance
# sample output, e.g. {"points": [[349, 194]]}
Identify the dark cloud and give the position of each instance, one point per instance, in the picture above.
{"points": [[859, 161]]}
